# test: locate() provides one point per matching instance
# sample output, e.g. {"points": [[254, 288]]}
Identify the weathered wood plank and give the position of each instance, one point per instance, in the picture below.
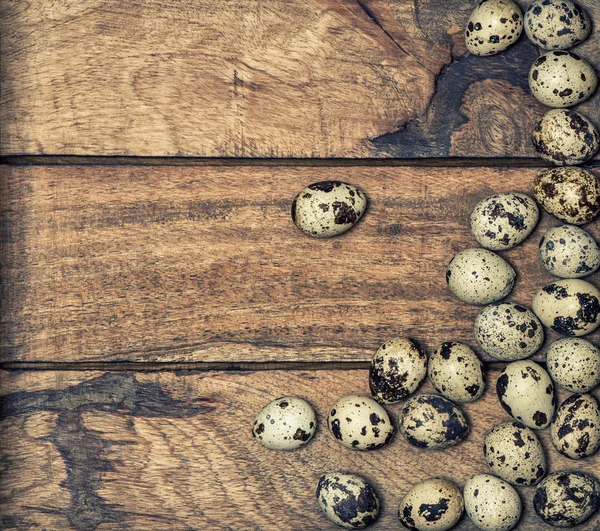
{"points": [[205, 264], [167, 451]]}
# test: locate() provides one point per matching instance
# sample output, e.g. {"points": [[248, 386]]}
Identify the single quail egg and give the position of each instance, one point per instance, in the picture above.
{"points": [[526, 393], [435, 504], [502, 221], [397, 370], [348, 500], [360, 423], [565, 499], [570, 307], [286, 423], [565, 137], [508, 331], [556, 24], [431, 421], [492, 503], [493, 26], [328, 208], [569, 252], [479, 276], [574, 364], [575, 429], [456, 372], [514, 453]]}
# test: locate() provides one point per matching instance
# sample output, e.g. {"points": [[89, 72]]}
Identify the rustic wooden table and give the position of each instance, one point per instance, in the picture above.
{"points": [[154, 292]]}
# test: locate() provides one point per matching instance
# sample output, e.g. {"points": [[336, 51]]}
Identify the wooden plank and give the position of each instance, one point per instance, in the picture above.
{"points": [[167, 451], [247, 78], [204, 264]]}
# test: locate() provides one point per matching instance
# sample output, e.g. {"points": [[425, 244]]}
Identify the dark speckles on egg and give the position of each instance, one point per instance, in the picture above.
{"points": [[569, 252], [575, 429], [556, 24], [574, 364], [493, 26]]}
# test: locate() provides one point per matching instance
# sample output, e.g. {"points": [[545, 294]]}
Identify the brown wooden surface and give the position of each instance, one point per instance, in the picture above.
{"points": [[248, 78]]}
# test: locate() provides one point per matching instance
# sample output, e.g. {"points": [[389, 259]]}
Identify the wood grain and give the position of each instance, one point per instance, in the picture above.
{"points": [[173, 451], [248, 78]]}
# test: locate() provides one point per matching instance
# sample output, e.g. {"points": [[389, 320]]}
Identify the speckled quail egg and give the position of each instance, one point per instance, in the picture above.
{"points": [[556, 24], [456, 372], [348, 500], [502, 221], [360, 423], [492, 503], [514, 453], [435, 504], [431, 421], [493, 26], [574, 364], [562, 79], [508, 331], [397, 370], [328, 208], [479, 276], [565, 499], [570, 194], [570, 307], [526, 393], [286, 423], [575, 429], [565, 137], [569, 252]]}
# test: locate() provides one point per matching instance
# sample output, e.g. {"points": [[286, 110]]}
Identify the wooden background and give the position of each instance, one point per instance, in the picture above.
{"points": [[154, 293]]}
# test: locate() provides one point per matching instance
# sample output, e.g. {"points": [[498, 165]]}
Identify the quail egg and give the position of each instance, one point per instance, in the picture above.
{"points": [[565, 137], [575, 429], [348, 500], [397, 370], [493, 26], [456, 372], [502, 221], [286, 423], [360, 423], [508, 331], [431, 421], [328, 208], [556, 24], [479, 276], [514, 453], [526, 392], [570, 307], [492, 503], [569, 252], [565, 499], [574, 364], [435, 504]]}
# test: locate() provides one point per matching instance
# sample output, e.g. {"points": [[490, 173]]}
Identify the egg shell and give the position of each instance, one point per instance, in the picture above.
{"points": [[570, 307], [566, 499], [574, 364], [556, 24], [493, 26], [348, 500], [514, 453], [569, 194], [508, 331], [328, 208], [562, 79], [501, 221], [456, 372], [569, 252], [435, 504], [575, 429], [397, 370], [360, 423], [526, 393], [479, 276], [491, 503], [432, 421], [286, 423], [565, 137]]}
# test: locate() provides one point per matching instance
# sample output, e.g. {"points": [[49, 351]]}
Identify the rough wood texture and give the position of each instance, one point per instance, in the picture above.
{"points": [[126, 451], [205, 264], [248, 78]]}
